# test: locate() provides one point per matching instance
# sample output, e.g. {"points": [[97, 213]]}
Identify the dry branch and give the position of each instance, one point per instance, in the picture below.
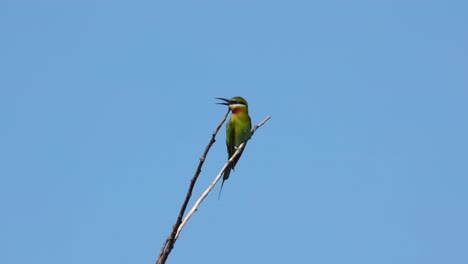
{"points": [[177, 228]]}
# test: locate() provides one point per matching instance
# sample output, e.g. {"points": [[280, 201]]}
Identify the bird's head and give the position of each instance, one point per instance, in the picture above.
{"points": [[236, 104]]}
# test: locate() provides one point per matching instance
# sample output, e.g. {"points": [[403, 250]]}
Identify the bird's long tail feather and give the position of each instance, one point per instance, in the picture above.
{"points": [[227, 171]]}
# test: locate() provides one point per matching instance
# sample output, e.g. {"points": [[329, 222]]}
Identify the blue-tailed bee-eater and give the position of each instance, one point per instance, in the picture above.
{"points": [[237, 130]]}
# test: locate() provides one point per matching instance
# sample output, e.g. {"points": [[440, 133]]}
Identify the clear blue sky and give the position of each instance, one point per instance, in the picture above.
{"points": [[106, 107]]}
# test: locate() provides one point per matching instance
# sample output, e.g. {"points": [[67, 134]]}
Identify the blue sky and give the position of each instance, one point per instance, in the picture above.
{"points": [[106, 107]]}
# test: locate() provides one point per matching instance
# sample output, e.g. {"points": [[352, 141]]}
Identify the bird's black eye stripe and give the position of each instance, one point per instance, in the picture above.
{"points": [[237, 102]]}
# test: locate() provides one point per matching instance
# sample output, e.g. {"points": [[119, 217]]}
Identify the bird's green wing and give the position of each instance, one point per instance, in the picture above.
{"points": [[230, 138]]}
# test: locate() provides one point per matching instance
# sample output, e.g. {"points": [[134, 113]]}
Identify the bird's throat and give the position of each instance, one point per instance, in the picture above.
{"points": [[237, 109]]}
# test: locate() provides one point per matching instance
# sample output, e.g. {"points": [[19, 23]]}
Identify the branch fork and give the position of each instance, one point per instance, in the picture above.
{"points": [[168, 244]]}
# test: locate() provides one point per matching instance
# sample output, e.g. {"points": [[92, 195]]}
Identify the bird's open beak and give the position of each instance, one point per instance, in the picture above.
{"points": [[224, 99]]}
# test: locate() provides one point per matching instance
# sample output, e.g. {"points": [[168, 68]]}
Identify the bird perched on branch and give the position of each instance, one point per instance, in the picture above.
{"points": [[238, 130]]}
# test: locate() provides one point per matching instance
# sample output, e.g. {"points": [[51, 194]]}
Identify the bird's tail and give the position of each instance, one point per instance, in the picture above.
{"points": [[227, 171]]}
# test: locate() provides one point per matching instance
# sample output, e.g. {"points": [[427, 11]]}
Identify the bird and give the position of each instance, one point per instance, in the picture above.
{"points": [[238, 130]]}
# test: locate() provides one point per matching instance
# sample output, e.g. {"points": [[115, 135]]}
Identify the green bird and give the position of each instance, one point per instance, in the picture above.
{"points": [[238, 130]]}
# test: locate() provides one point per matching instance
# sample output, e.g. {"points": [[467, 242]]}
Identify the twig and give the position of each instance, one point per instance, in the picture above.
{"points": [[168, 245], [259, 125], [211, 186]]}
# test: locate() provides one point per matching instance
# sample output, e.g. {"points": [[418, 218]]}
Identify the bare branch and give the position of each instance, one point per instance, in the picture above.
{"points": [[211, 186], [168, 245], [260, 124]]}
